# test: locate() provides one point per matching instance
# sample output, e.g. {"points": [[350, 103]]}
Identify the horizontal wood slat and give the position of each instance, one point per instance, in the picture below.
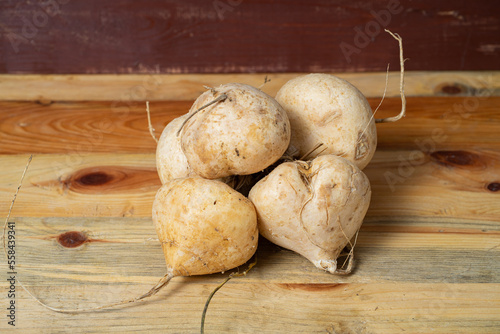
{"points": [[428, 283], [272, 308], [431, 124], [179, 87], [47, 257], [404, 184]]}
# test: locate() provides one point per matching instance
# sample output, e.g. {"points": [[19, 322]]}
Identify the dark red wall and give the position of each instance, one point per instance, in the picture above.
{"points": [[222, 36]]}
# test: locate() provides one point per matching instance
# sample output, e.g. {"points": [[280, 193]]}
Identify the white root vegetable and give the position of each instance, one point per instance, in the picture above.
{"points": [[204, 226], [323, 108], [313, 208], [242, 131], [171, 163]]}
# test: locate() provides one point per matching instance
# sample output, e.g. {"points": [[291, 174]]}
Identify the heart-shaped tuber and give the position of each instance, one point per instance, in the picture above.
{"points": [[313, 208]]}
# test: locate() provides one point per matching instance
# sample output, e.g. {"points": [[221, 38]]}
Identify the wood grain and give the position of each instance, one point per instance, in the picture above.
{"points": [[427, 256], [81, 185], [196, 36], [431, 124], [83, 128], [408, 184], [48, 258], [269, 308], [178, 87], [444, 288]]}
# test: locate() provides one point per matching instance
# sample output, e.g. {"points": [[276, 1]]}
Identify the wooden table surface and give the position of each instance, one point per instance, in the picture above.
{"points": [[428, 254]]}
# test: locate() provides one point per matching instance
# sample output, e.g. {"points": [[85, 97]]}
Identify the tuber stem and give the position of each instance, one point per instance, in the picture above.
{"points": [[266, 80], [314, 148], [150, 126], [12, 204], [235, 274], [349, 259], [221, 97], [385, 91], [376, 109], [401, 84], [203, 315], [161, 283]]}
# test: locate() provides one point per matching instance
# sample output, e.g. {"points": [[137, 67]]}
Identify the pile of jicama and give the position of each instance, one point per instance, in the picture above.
{"points": [[241, 163], [313, 207], [296, 159]]}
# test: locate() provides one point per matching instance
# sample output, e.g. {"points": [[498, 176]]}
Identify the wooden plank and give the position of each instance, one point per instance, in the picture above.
{"points": [[404, 184], [432, 123], [394, 287], [83, 127], [272, 308], [427, 256], [197, 36], [178, 87], [57, 251], [80, 185], [443, 184]]}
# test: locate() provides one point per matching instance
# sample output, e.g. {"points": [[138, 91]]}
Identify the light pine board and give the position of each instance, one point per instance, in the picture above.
{"points": [[427, 254], [173, 87], [404, 184], [458, 123], [409, 275]]}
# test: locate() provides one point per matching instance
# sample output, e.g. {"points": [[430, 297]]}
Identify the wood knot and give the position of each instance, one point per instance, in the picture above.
{"points": [[72, 239], [457, 159], [44, 102], [453, 89], [94, 179], [493, 186], [109, 179]]}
